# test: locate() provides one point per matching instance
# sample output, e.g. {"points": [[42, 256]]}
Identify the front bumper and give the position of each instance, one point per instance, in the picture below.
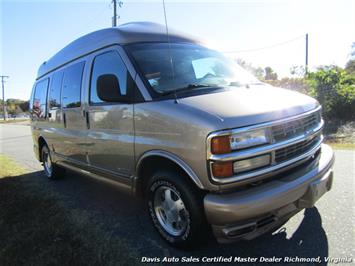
{"points": [[249, 213]]}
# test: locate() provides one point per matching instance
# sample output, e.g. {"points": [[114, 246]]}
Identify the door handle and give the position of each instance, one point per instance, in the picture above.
{"points": [[87, 119], [64, 120]]}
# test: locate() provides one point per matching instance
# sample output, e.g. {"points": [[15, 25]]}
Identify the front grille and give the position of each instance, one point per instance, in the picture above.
{"points": [[292, 141], [295, 150], [296, 127]]}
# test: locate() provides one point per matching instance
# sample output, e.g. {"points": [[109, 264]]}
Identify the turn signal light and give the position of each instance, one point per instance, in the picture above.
{"points": [[222, 169], [220, 145]]}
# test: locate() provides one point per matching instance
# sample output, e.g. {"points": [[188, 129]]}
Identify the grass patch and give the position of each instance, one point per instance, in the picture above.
{"points": [[340, 135], [341, 146], [36, 230], [9, 168], [342, 132], [12, 121]]}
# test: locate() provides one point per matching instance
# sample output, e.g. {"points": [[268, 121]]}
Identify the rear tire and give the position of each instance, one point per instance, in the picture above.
{"points": [[51, 170], [176, 209]]}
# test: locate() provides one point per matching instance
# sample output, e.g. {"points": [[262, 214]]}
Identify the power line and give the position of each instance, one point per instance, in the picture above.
{"points": [[98, 15], [93, 19], [265, 47], [3, 95]]}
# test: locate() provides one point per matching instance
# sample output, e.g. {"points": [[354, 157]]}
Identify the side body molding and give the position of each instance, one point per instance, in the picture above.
{"points": [[172, 157]]}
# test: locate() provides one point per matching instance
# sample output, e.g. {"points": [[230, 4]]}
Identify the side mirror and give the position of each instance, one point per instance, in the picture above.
{"points": [[108, 88]]}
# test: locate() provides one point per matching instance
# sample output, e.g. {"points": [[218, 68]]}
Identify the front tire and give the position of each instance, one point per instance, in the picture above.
{"points": [[176, 209], [51, 170]]}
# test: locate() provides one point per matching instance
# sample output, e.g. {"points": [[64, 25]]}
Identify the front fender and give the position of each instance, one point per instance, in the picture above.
{"points": [[175, 159]]}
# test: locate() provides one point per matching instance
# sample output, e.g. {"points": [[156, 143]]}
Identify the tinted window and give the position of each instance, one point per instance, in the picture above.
{"points": [[71, 85], [170, 67], [40, 99], [108, 63], [55, 90]]}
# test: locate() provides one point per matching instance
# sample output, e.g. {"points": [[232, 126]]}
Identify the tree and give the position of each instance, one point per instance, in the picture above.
{"points": [[350, 65], [270, 74], [25, 106], [297, 71], [334, 88], [296, 84], [256, 71], [15, 106], [259, 73], [352, 53]]}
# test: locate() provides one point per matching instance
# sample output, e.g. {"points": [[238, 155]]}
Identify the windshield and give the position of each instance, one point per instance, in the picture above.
{"points": [[180, 66]]}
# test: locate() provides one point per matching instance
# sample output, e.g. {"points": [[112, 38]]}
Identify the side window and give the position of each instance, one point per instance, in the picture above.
{"points": [[108, 63], [40, 99], [72, 85], [55, 90]]}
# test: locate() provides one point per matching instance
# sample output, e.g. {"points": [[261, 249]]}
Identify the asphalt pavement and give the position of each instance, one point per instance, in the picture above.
{"points": [[326, 230]]}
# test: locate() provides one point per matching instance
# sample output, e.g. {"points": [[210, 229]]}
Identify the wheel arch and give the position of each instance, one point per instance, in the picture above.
{"points": [[152, 160]]}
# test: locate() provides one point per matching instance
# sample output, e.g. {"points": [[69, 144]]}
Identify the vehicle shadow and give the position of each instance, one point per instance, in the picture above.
{"points": [[125, 217], [308, 241]]}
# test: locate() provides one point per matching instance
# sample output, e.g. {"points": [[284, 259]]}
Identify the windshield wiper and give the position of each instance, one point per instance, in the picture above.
{"points": [[186, 88], [238, 84]]}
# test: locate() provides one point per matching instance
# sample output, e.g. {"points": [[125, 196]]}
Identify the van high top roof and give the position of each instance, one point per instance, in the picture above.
{"points": [[133, 32]]}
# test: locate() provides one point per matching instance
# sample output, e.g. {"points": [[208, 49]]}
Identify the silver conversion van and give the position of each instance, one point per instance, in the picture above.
{"points": [[206, 144]]}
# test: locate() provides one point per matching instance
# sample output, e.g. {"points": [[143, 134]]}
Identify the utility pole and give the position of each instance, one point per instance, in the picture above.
{"points": [[115, 16], [3, 95], [306, 66]]}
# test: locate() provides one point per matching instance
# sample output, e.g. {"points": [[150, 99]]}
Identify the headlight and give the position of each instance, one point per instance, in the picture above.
{"points": [[249, 139], [238, 141]]}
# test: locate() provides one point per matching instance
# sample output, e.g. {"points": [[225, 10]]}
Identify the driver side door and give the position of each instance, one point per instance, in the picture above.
{"points": [[110, 138]]}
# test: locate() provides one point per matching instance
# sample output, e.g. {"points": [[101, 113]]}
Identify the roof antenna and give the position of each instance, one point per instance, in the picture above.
{"points": [[171, 58]]}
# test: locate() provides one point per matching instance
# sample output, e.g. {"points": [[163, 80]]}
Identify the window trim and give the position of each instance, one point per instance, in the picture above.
{"points": [[130, 96], [60, 91], [47, 79], [81, 84]]}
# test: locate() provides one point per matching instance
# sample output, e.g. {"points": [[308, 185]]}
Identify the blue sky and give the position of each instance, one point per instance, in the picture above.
{"points": [[32, 31]]}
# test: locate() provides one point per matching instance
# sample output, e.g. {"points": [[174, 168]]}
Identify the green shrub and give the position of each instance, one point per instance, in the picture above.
{"points": [[296, 84], [334, 88]]}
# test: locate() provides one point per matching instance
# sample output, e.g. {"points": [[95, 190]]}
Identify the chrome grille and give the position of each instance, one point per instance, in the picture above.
{"points": [[295, 127], [292, 140], [295, 150]]}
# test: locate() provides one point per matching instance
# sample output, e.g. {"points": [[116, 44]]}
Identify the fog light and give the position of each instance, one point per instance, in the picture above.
{"points": [[251, 163]]}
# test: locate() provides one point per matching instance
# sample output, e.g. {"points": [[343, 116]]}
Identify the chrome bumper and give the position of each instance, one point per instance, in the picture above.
{"points": [[250, 213]]}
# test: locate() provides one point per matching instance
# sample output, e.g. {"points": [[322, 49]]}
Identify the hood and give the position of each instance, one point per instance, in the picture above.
{"points": [[241, 106]]}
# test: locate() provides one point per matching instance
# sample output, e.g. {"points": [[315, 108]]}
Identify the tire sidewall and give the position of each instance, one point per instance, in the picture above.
{"points": [[187, 236], [45, 149]]}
